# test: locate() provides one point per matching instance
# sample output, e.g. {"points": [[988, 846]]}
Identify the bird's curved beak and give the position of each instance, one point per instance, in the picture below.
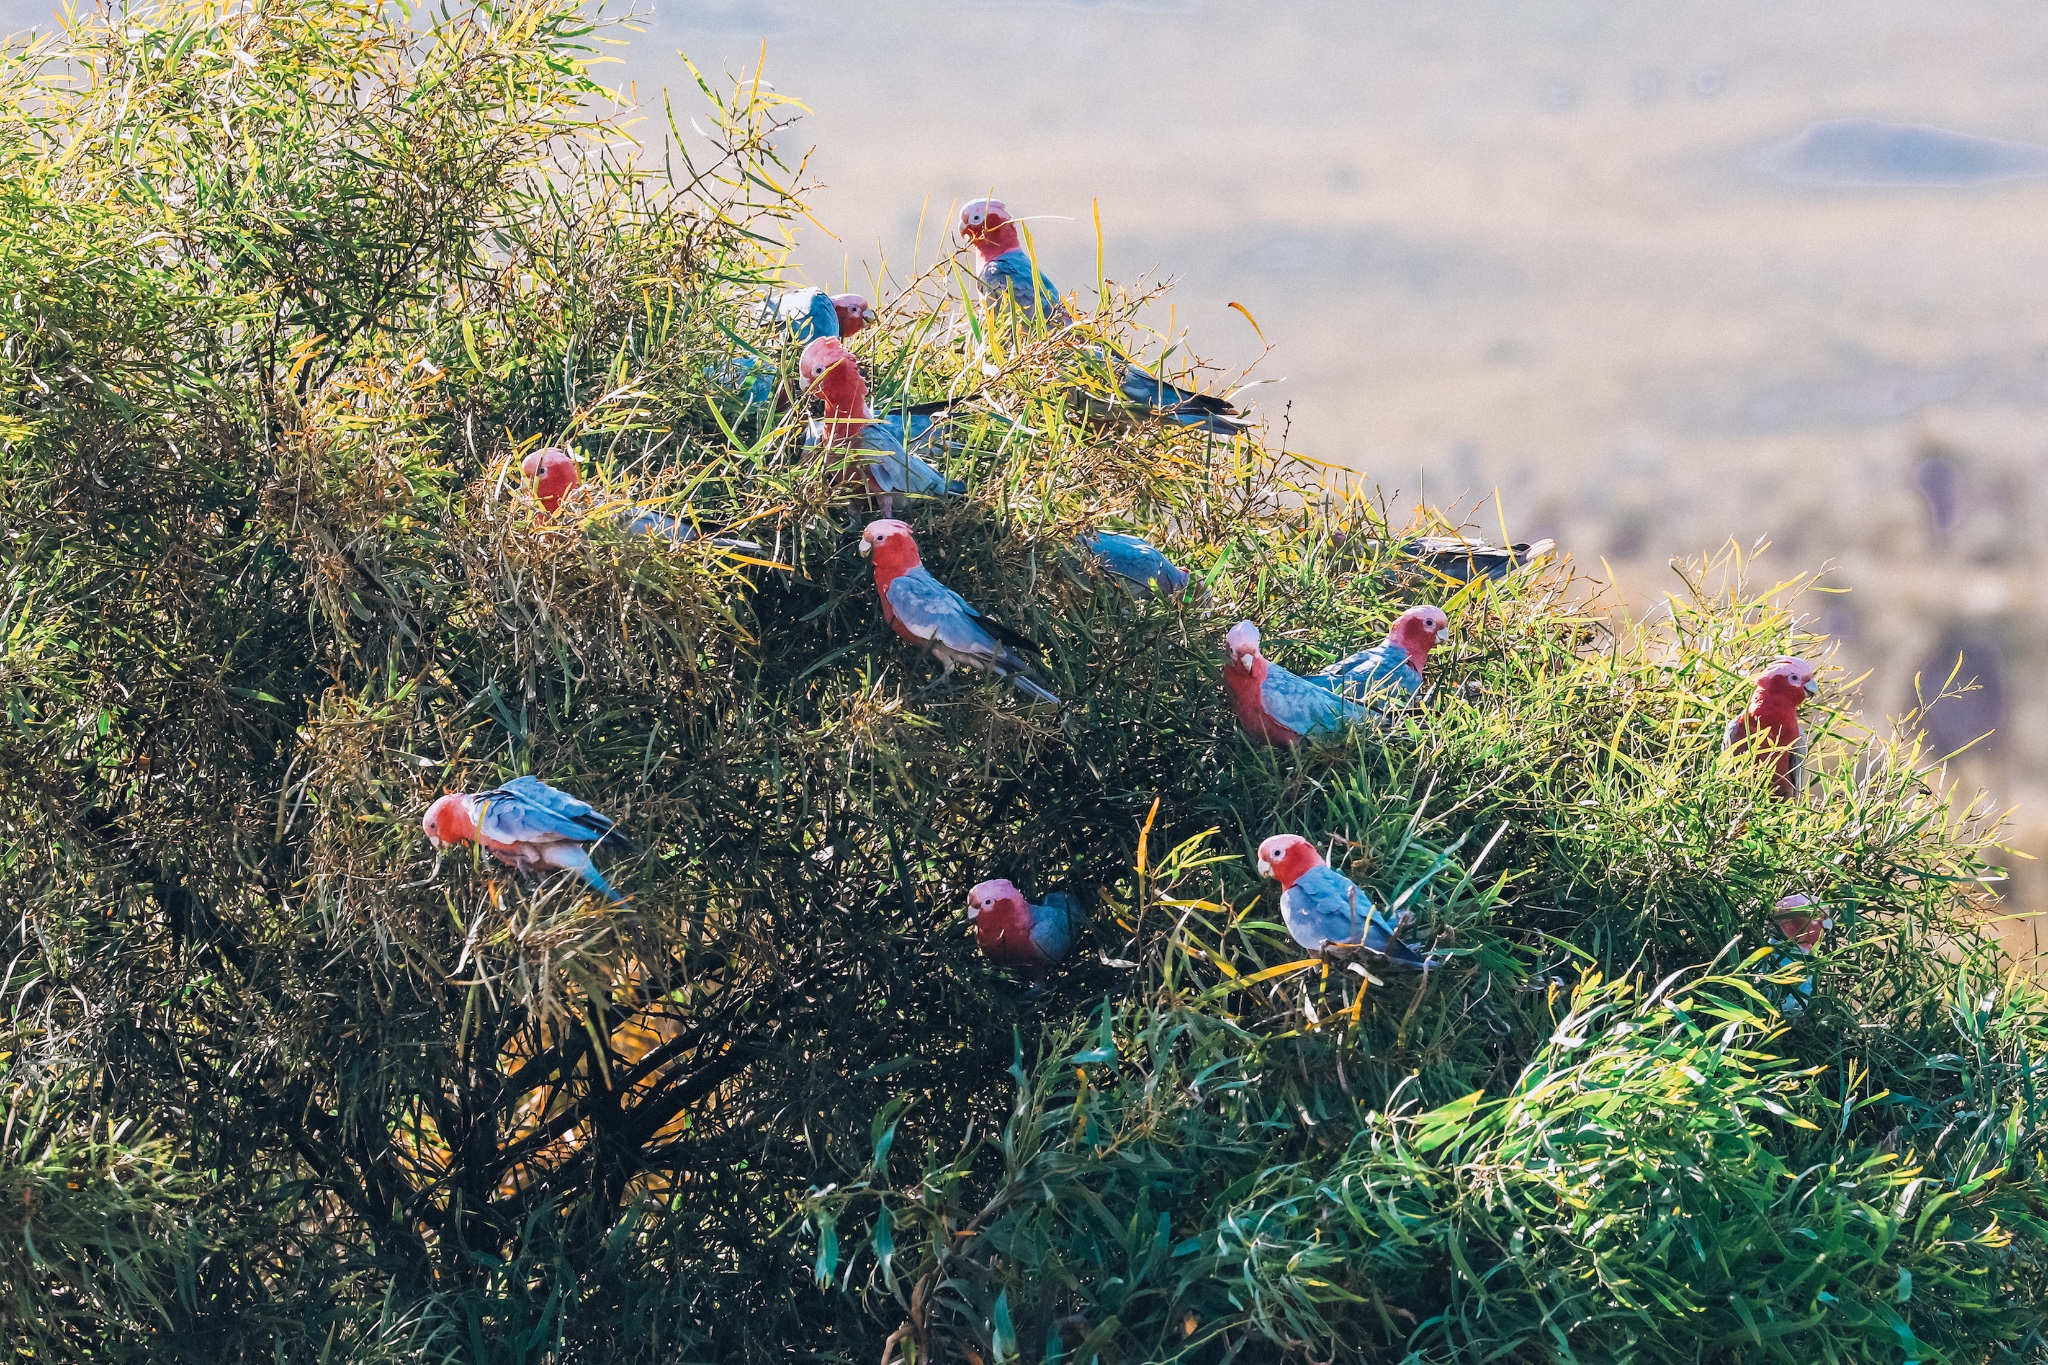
{"points": [[1247, 660], [866, 549], [973, 910], [1265, 868], [1812, 687]]}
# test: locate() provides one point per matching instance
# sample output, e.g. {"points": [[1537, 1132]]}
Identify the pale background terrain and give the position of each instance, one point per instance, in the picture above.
{"points": [[1530, 247]]}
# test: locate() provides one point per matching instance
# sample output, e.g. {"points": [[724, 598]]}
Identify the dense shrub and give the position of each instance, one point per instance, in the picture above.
{"points": [[291, 288]]}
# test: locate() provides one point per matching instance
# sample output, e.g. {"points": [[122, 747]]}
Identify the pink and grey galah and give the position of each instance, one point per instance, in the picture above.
{"points": [[1108, 383], [531, 827], [554, 474], [1277, 707], [1769, 726], [930, 615], [1322, 906], [1013, 932], [1282, 708], [892, 471], [1391, 671]]}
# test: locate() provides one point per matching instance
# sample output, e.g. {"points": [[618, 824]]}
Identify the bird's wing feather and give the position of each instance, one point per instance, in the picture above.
{"points": [[1012, 273], [1053, 925], [528, 810], [1303, 707], [1136, 559], [930, 610], [1383, 669], [1329, 906], [895, 470]]}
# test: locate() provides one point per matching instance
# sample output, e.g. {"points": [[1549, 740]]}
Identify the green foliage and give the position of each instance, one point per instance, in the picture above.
{"points": [[293, 287]]}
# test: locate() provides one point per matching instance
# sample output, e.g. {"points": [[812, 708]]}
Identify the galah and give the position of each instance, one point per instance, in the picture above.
{"points": [[529, 826], [931, 615], [1462, 560], [1112, 384], [919, 427], [647, 521], [1803, 921], [555, 475], [848, 423], [854, 313], [1003, 267], [1391, 671], [1277, 707], [1138, 565], [1323, 906], [1013, 932], [1770, 724], [807, 313]]}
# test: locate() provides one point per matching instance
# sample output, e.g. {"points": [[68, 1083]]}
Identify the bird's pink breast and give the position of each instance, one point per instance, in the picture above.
{"points": [[1004, 933]]}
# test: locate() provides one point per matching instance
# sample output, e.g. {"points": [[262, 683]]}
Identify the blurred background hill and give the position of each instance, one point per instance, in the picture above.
{"points": [[1662, 275]]}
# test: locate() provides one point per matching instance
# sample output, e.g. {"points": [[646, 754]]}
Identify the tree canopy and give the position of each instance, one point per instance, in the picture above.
{"points": [[292, 286]]}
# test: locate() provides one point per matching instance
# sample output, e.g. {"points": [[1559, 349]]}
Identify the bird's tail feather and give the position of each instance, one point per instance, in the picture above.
{"points": [[578, 861], [1023, 683]]}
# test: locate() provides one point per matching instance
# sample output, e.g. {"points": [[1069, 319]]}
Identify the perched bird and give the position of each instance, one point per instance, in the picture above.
{"points": [[646, 521], [1323, 906], [854, 313], [530, 827], [921, 428], [1277, 707], [1003, 267], [1393, 670], [1803, 921], [555, 475], [1136, 563], [1771, 727], [929, 614], [1111, 384], [1462, 560], [1013, 932], [892, 471], [807, 313]]}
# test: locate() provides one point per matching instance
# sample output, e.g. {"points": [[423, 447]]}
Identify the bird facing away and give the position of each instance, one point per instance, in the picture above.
{"points": [[1013, 932], [530, 827], [1769, 726], [848, 423], [1322, 906], [1803, 922], [1276, 707], [1003, 267], [1136, 564], [932, 616], [1391, 672]]}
